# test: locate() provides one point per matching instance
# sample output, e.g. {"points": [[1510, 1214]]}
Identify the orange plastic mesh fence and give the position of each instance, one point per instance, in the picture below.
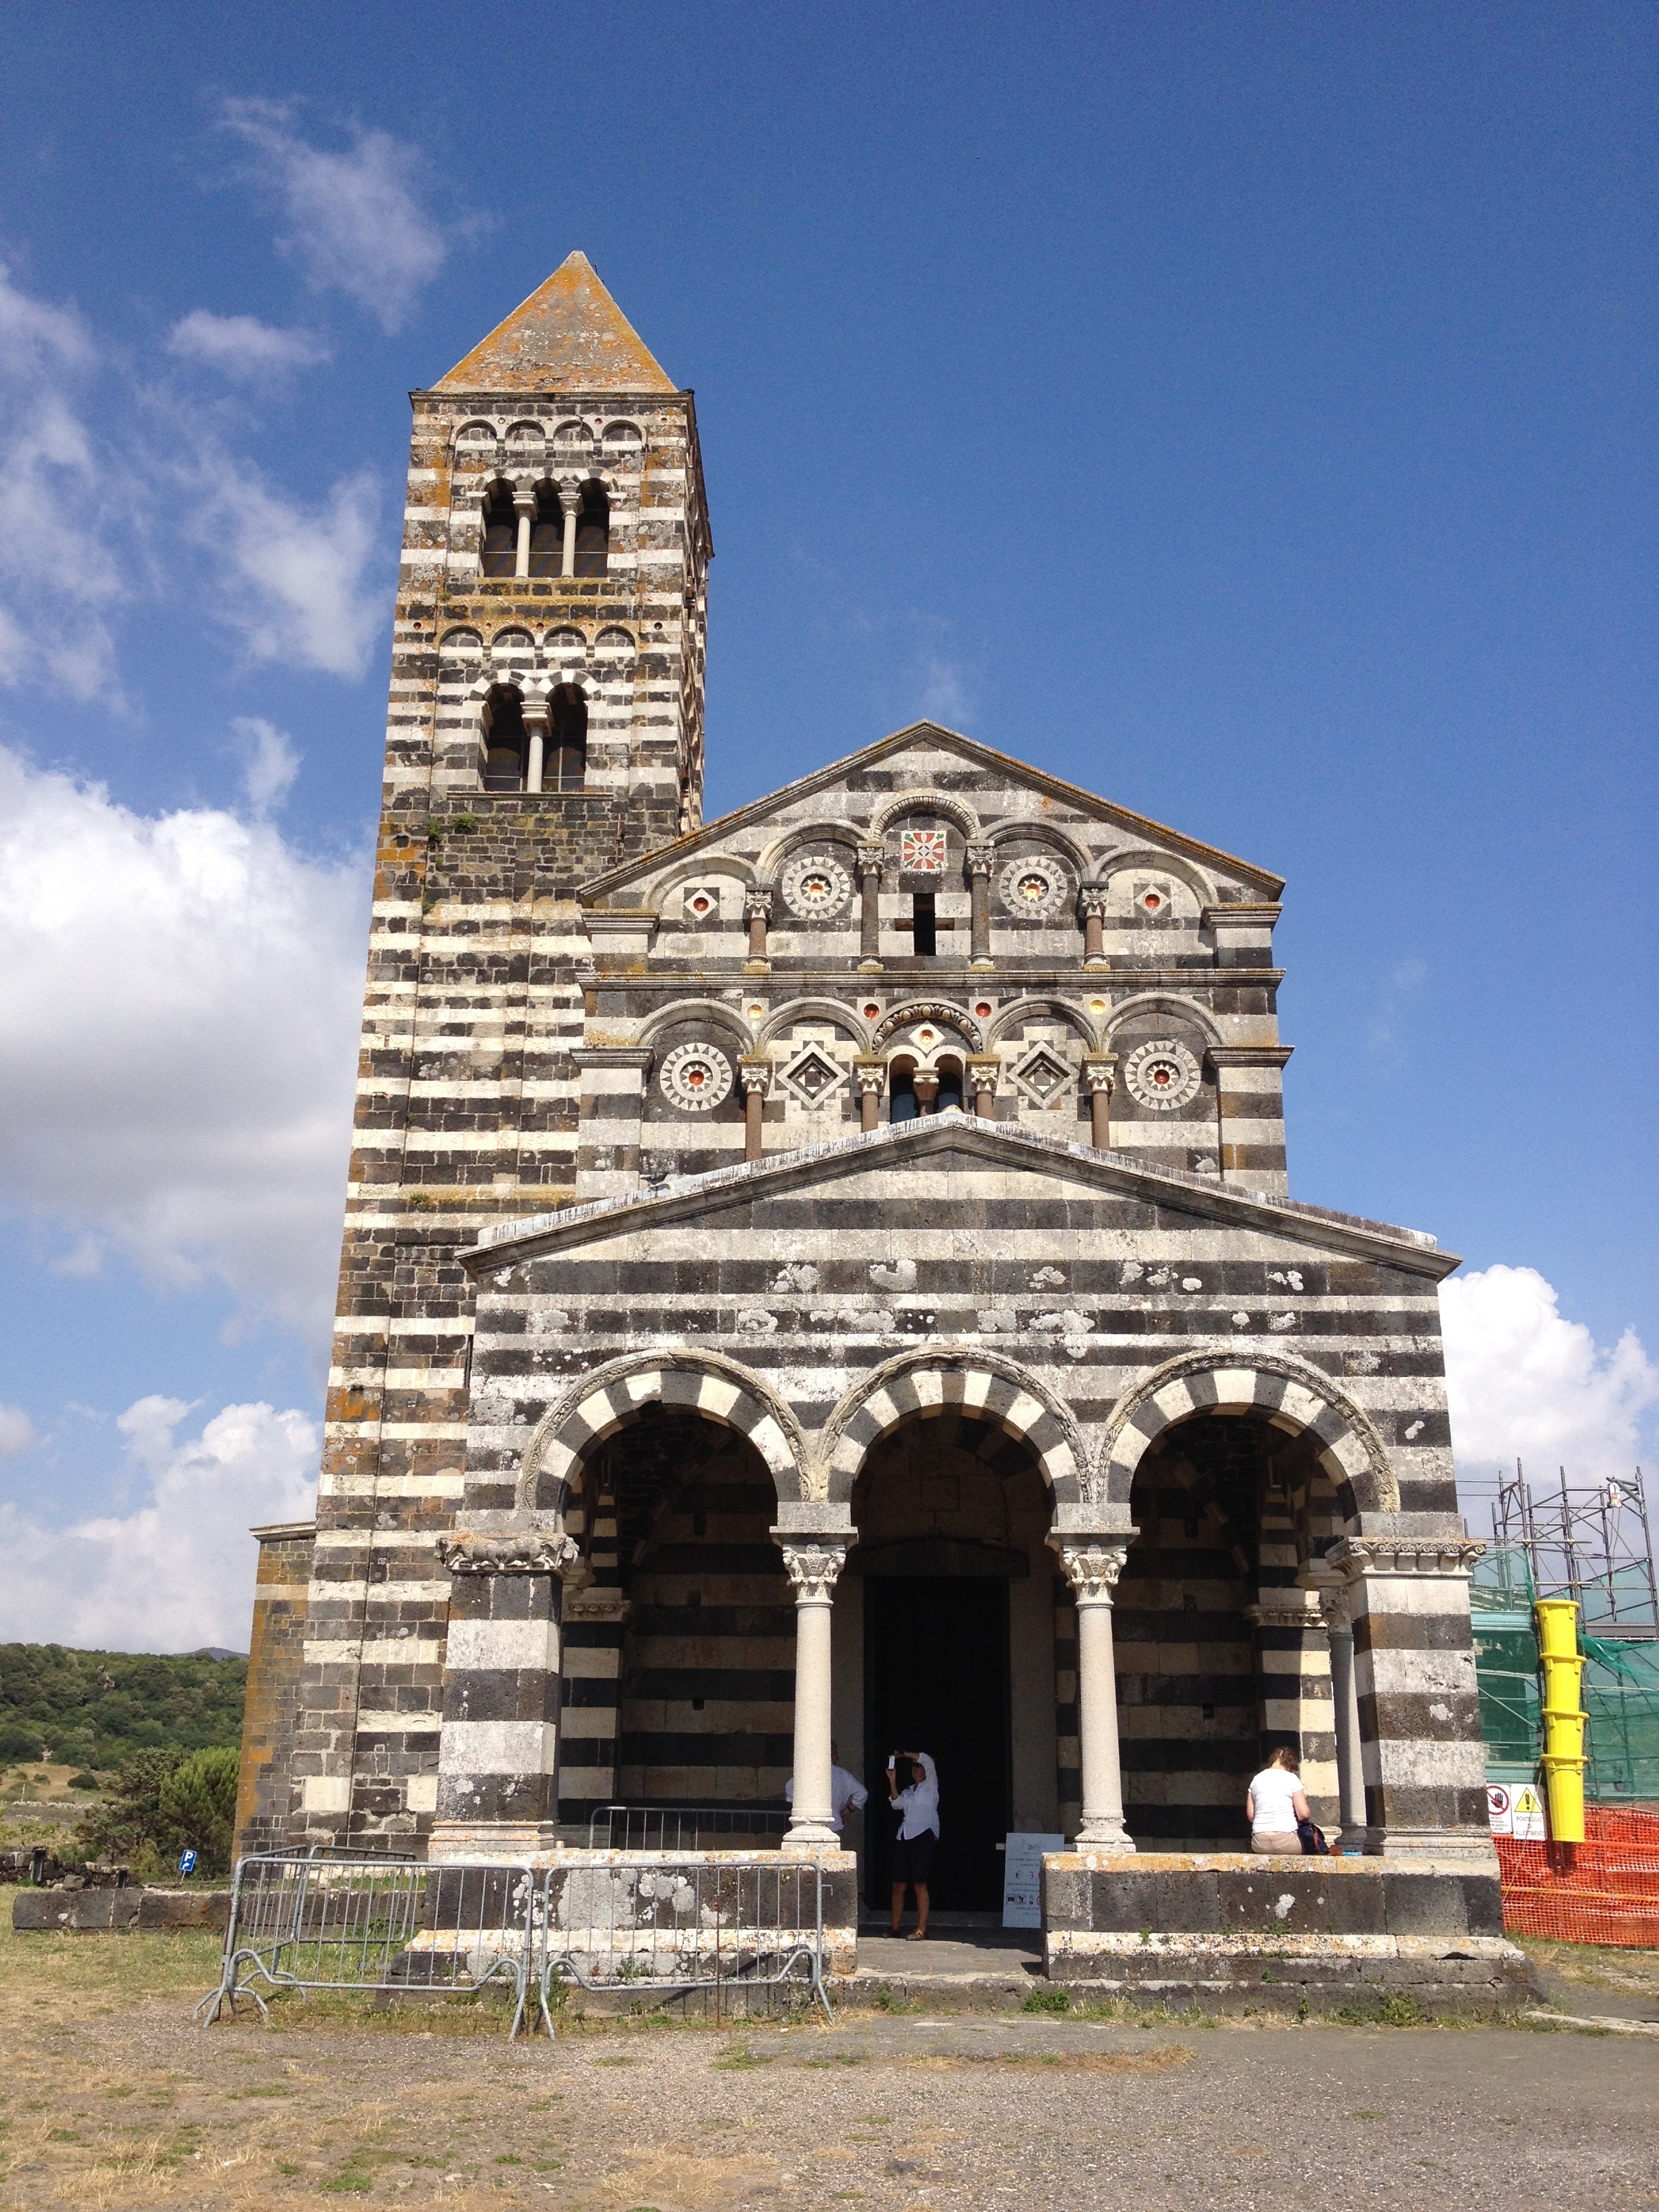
{"points": [[1605, 1890]]}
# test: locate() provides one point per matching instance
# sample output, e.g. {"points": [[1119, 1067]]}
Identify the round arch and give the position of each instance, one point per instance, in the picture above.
{"points": [[929, 1010], [1288, 1393], [953, 808], [802, 834], [1026, 1010], [1042, 833], [1161, 1002], [822, 1010], [967, 1380], [698, 1009], [1147, 856], [692, 871], [694, 1382]]}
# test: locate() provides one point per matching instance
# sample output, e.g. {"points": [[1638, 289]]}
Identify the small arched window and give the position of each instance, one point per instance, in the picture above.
{"points": [[903, 1104], [950, 1085], [500, 545], [566, 766], [504, 740], [547, 534], [593, 531]]}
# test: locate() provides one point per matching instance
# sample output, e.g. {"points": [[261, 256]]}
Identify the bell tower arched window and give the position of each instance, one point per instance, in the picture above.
{"points": [[566, 766], [593, 531], [547, 534], [504, 740], [499, 547]]}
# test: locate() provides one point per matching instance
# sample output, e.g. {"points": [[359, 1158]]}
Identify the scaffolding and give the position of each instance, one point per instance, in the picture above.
{"points": [[1594, 1546]]}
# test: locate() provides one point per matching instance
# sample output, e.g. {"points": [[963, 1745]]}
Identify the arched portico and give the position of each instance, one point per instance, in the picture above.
{"points": [[969, 1379]]}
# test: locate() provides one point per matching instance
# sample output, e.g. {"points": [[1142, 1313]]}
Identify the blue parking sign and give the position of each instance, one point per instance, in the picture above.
{"points": [[186, 1862]]}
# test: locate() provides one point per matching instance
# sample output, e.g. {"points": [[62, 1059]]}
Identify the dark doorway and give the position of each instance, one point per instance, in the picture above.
{"points": [[936, 1680]]}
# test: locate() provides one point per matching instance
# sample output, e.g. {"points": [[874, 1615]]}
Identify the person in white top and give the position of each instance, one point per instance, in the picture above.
{"points": [[845, 1789], [1275, 1802], [917, 1808]]}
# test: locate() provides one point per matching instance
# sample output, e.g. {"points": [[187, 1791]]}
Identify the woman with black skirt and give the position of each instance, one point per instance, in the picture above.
{"points": [[918, 1836]]}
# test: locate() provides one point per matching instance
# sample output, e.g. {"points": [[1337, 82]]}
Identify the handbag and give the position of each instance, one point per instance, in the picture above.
{"points": [[1312, 1840]]}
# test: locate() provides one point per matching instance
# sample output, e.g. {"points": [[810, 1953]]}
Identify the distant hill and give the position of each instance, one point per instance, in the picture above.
{"points": [[97, 1709]]}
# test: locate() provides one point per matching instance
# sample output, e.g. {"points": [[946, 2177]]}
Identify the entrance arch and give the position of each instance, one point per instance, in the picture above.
{"points": [[937, 1379]]}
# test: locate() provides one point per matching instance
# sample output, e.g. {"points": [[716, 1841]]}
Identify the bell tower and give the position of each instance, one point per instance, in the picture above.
{"points": [[545, 724]]}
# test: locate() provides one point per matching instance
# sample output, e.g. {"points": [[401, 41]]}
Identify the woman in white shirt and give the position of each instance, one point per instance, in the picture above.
{"points": [[1275, 1802], [918, 1836]]}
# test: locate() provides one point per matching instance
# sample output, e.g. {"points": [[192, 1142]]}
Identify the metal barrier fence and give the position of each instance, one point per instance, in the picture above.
{"points": [[394, 1925], [621, 1925], [680, 1827], [728, 1926]]}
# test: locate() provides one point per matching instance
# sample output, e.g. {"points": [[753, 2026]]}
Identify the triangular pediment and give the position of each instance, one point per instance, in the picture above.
{"points": [[568, 336], [865, 1168], [929, 738]]}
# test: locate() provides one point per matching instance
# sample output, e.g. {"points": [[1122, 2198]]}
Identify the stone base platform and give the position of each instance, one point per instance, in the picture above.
{"points": [[1223, 1929]]}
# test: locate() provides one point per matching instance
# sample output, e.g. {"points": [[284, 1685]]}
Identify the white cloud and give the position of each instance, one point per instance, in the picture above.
{"points": [[295, 587], [1524, 1383], [356, 223], [178, 1037], [178, 1572], [17, 1433], [946, 696], [242, 347], [59, 497], [270, 762]]}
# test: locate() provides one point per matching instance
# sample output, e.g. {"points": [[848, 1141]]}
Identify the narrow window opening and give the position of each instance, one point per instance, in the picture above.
{"points": [[565, 768], [504, 741], [950, 1087], [924, 924], [593, 531], [547, 534], [501, 533], [905, 1105]]}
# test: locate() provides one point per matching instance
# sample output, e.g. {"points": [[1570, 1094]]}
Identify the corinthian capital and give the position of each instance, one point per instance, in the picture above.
{"points": [[813, 1569], [1092, 1569]]}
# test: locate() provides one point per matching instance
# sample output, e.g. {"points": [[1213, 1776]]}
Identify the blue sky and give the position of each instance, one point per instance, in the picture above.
{"points": [[1247, 413]]}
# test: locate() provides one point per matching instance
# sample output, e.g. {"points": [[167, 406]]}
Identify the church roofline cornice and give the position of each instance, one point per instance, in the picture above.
{"points": [[1054, 787], [687, 1197]]}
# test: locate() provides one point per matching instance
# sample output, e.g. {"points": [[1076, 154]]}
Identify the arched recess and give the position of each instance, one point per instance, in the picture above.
{"points": [[930, 1381], [1292, 1396], [1130, 1011], [809, 836], [953, 808], [1037, 1009], [1042, 833], [929, 1010], [815, 1009], [709, 1012], [692, 1381], [1146, 856], [694, 870]]}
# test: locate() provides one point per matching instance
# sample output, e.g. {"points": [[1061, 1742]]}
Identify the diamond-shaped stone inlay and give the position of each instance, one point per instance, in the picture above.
{"points": [[1042, 1075], [814, 1078]]}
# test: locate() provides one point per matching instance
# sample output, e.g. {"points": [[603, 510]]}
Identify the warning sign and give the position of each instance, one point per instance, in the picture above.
{"points": [[1527, 1815], [1500, 1809]]}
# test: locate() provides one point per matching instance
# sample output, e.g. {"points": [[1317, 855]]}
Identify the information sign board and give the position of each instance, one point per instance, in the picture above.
{"points": [[1022, 1878]]}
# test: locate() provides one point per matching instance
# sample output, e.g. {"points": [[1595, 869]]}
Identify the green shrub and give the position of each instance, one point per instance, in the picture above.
{"points": [[83, 1782], [198, 1803]]}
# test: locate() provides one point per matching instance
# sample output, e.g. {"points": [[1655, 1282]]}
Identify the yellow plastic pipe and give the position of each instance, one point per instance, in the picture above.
{"points": [[1557, 1619]]}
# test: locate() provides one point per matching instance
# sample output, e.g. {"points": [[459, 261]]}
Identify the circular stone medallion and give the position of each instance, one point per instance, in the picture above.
{"points": [[1033, 887], [695, 1078], [814, 886], [1161, 1074]]}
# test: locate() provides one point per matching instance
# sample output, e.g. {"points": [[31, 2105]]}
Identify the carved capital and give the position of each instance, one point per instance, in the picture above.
{"points": [[755, 1075], [1336, 1607], [983, 1074], [757, 903], [982, 856], [1092, 1569], [870, 859], [1100, 1074], [1092, 904], [524, 503], [869, 1076], [531, 1553], [813, 1569]]}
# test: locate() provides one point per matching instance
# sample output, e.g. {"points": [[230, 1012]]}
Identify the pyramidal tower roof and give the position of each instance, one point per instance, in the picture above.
{"points": [[568, 336]]}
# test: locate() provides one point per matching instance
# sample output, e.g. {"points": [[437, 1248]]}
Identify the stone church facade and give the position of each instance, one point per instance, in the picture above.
{"points": [[829, 1271]]}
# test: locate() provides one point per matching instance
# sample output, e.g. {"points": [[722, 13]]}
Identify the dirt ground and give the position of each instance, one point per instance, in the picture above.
{"points": [[115, 2100]]}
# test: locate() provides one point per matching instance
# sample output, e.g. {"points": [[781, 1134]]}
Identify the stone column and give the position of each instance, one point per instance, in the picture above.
{"points": [[1099, 1076], [1416, 1693], [1336, 1608], [498, 1751], [869, 866], [524, 506], [926, 1088], [570, 498], [812, 1568], [757, 913], [1092, 1571], [1092, 905], [869, 1075], [981, 853], [757, 1078], [537, 721], [983, 1075]]}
